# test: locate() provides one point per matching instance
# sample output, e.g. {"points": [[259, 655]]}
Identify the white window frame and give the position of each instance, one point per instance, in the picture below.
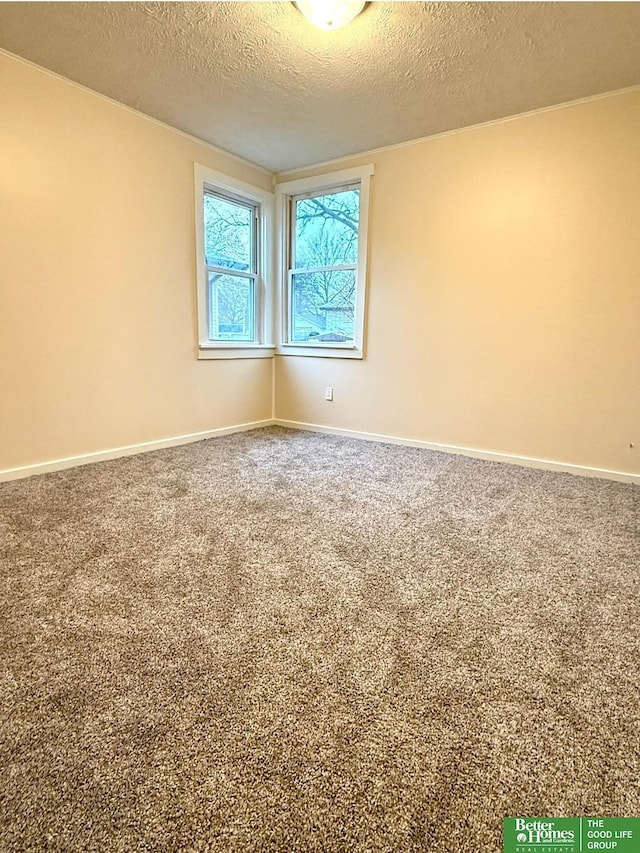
{"points": [[263, 346], [284, 193]]}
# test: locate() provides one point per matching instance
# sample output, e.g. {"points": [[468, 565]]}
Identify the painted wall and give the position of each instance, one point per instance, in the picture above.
{"points": [[504, 293], [97, 279], [504, 299]]}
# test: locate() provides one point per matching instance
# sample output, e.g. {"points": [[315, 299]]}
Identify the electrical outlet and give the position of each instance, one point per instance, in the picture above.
{"points": [[328, 393]]}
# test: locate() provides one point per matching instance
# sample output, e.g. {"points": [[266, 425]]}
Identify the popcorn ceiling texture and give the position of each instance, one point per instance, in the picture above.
{"points": [[256, 79], [281, 641]]}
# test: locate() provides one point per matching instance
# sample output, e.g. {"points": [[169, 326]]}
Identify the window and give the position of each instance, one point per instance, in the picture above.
{"points": [[324, 232], [231, 258], [234, 239]]}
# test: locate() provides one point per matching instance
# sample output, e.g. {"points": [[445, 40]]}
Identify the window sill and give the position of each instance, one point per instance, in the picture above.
{"points": [[221, 351], [318, 351]]}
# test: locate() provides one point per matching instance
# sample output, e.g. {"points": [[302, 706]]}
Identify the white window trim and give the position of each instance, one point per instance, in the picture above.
{"points": [[284, 191], [264, 346]]}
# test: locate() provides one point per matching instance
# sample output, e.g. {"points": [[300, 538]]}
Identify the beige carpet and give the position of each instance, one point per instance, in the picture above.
{"points": [[282, 641]]}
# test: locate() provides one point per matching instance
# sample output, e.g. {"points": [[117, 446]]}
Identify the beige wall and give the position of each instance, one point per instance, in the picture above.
{"points": [[504, 299], [97, 279], [504, 293]]}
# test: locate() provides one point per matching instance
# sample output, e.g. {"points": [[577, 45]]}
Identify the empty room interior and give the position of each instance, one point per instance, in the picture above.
{"points": [[320, 427]]}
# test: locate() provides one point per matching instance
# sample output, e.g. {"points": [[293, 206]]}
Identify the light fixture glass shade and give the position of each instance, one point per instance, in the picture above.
{"points": [[329, 14]]}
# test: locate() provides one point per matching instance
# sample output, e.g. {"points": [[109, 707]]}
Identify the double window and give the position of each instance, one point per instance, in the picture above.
{"points": [[321, 229]]}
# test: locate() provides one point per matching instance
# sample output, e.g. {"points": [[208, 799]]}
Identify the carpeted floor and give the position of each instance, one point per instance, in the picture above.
{"points": [[283, 641]]}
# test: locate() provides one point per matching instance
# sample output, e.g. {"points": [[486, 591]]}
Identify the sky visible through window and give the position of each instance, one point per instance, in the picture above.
{"points": [[229, 237], [324, 257], [323, 292]]}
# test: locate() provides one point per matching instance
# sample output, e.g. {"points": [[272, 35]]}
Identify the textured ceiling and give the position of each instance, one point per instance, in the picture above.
{"points": [[256, 79]]}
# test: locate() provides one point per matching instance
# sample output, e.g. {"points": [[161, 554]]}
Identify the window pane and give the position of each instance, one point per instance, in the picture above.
{"points": [[228, 234], [323, 306], [231, 308], [326, 229]]}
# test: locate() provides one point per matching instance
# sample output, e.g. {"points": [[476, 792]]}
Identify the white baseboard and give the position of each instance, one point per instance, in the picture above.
{"points": [[144, 447], [127, 450], [526, 461]]}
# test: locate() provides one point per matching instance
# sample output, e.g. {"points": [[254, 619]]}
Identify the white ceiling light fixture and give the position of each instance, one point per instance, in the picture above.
{"points": [[329, 14]]}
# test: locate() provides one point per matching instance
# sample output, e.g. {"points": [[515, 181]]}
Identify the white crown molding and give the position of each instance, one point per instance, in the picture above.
{"points": [[276, 176], [138, 113], [284, 175]]}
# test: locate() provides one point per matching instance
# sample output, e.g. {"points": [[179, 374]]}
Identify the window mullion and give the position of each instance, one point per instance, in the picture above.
{"points": [[327, 268], [230, 271]]}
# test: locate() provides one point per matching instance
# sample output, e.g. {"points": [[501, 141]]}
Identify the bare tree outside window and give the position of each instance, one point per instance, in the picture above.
{"points": [[324, 262], [231, 259]]}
